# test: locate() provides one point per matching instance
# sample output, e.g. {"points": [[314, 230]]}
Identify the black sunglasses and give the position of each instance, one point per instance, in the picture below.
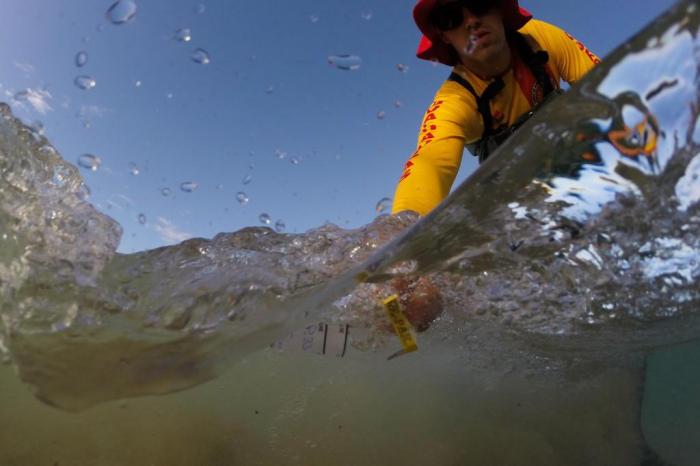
{"points": [[449, 15]]}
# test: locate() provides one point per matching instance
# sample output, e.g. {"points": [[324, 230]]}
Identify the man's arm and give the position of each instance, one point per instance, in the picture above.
{"points": [[429, 173]]}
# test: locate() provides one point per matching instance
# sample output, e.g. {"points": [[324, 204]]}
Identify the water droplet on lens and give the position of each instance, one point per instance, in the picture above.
{"points": [[189, 186], [402, 68], [85, 82], [165, 191], [280, 226], [366, 15], [264, 219], [89, 161], [121, 11], [201, 56], [21, 96], [247, 179], [142, 219], [38, 128], [183, 35], [242, 198], [381, 114], [383, 205], [81, 59], [345, 62], [83, 192]]}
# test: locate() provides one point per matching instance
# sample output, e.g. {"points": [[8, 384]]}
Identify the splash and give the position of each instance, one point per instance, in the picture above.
{"points": [[578, 238]]}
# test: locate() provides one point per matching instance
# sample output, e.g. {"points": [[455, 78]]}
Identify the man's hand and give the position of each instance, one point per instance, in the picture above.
{"points": [[420, 299]]}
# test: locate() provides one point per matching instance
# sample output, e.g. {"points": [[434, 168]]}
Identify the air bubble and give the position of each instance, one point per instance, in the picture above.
{"points": [[137, 84], [134, 169], [280, 226], [402, 68], [142, 219], [165, 192], [280, 154], [383, 205], [242, 198], [121, 12], [381, 115], [201, 56], [295, 160], [264, 219], [345, 62], [85, 82], [366, 15], [81, 59], [189, 186], [247, 179], [201, 8], [89, 161], [314, 18], [183, 35], [398, 104]]}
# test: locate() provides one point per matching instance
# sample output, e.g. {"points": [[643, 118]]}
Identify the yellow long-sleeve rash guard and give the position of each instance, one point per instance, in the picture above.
{"points": [[452, 120]]}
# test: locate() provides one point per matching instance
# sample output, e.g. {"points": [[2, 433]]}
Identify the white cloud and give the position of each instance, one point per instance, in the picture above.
{"points": [[38, 99], [169, 233]]}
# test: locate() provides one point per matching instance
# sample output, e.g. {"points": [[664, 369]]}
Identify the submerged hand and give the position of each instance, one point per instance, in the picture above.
{"points": [[420, 299]]}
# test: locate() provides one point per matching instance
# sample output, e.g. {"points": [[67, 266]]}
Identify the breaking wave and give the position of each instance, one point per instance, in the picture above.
{"points": [[577, 239]]}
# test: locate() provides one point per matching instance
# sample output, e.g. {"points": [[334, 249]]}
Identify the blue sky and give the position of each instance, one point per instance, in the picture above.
{"points": [[268, 115]]}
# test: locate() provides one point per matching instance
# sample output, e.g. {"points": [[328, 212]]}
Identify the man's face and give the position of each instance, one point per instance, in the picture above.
{"points": [[479, 38]]}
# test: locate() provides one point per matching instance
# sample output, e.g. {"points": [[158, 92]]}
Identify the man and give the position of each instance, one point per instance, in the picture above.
{"points": [[504, 64]]}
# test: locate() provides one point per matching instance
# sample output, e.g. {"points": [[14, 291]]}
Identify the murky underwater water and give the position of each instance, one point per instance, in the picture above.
{"points": [[561, 264], [276, 408]]}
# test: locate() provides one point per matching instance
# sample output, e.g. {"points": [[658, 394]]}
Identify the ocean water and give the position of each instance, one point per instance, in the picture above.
{"points": [[561, 265]]}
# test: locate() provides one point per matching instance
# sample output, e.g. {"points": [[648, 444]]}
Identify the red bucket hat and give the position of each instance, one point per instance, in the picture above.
{"points": [[432, 48]]}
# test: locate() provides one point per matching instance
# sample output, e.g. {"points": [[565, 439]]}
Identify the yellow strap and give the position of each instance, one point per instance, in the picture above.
{"points": [[402, 326]]}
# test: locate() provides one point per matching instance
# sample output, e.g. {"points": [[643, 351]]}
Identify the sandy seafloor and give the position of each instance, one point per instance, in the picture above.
{"points": [[276, 408]]}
